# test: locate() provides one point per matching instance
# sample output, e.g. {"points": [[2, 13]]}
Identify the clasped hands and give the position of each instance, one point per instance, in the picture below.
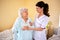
{"points": [[25, 28]]}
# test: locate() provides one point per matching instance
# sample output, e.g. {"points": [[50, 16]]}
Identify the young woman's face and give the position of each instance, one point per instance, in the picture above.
{"points": [[25, 14], [38, 9]]}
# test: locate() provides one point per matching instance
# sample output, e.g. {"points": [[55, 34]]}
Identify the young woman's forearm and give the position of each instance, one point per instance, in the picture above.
{"points": [[37, 29]]}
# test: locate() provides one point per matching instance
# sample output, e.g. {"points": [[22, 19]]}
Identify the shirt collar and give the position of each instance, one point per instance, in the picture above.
{"points": [[40, 16]]}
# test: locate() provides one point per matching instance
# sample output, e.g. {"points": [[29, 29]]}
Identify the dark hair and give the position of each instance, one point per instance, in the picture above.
{"points": [[45, 7]]}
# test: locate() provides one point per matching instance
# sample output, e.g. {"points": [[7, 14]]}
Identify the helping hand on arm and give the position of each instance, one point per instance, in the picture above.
{"points": [[36, 29]]}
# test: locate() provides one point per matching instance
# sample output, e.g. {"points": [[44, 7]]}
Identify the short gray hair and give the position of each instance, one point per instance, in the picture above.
{"points": [[21, 10]]}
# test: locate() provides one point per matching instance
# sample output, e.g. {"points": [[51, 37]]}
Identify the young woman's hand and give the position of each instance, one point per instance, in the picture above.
{"points": [[30, 23]]}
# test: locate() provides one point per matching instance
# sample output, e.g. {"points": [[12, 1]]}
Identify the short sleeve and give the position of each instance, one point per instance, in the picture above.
{"points": [[44, 22]]}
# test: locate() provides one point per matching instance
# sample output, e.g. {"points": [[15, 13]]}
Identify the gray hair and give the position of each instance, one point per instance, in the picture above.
{"points": [[21, 10]]}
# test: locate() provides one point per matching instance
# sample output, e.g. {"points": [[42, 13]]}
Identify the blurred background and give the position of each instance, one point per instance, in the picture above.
{"points": [[9, 12]]}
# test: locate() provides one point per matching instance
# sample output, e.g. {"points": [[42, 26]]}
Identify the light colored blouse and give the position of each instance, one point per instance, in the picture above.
{"points": [[20, 34], [40, 22]]}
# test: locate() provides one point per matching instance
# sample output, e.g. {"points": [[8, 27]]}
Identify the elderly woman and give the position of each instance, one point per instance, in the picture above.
{"points": [[21, 23], [41, 21]]}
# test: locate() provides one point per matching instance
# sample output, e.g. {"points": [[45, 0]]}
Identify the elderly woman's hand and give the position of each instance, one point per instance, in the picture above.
{"points": [[25, 28]]}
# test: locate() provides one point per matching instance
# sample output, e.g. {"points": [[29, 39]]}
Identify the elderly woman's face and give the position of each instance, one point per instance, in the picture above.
{"points": [[25, 14]]}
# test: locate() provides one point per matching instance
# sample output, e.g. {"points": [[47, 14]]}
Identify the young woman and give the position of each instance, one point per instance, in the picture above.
{"points": [[21, 23], [41, 21]]}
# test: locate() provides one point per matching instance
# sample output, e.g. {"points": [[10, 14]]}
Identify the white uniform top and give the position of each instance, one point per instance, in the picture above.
{"points": [[40, 22]]}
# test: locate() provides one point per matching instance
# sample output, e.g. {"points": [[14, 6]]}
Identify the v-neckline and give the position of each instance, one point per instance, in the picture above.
{"points": [[40, 16], [24, 21]]}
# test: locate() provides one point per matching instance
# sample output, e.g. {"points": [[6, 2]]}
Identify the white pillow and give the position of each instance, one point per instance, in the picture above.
{"points": [[6, 35]]}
